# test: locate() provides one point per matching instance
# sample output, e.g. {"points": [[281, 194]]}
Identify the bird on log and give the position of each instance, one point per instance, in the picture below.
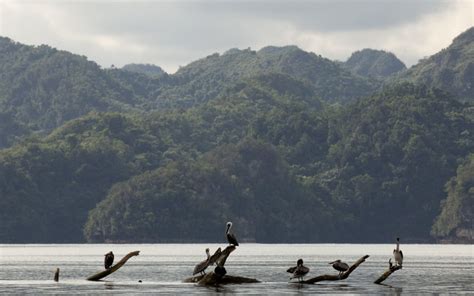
{"points": [[201, 267], [230, 236], [398, 254], [298, 271], [340, 266], [108, 260]]}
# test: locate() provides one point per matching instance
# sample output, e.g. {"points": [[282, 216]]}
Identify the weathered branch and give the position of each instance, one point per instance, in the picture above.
{"points": [[387, 273], [212, 279], [114, 268], [332, 277], [223, 256]]}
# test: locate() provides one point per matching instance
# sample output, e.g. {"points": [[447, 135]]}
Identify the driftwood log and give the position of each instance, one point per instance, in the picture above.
{"points": [[391, 269], [332, 277], [102, 274], [218, 276], [212, 279]]}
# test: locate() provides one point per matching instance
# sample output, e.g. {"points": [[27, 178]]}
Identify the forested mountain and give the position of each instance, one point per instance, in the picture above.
{"points": [[41, 88], [252, 137], [374, 63], [452, 69], [205, 78], [147, 69]]}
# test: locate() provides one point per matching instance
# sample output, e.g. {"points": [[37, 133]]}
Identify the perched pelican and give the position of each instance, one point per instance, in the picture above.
{"points": [[201, 267], [298, 271], [397, 253], [108, 260], [230, 236], [215, 256], [340, 266]]}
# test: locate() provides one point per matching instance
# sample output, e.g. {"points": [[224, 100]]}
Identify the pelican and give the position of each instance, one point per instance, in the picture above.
{"points": [[340, 266], [201, 267], [230, 236], [397, 253], [215, 256], [108, 260], [298, 271]]}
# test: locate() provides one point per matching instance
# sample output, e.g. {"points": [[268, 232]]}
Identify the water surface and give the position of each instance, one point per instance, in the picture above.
{"points": [[29, 269]]}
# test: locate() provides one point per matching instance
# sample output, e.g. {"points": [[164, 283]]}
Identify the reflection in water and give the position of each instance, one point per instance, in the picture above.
{"points": [[162, 267], [393, 290], [109, 285]]}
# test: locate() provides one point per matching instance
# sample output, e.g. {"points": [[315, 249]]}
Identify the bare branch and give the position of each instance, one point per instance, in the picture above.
{"points": [[114, 268]]}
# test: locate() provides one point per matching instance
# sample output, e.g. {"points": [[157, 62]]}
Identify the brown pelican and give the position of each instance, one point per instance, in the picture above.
{"points": [[215, 256], [230, 236], [340, 266], [108, 260], [397, 253], [201, 267], [298, 271]]}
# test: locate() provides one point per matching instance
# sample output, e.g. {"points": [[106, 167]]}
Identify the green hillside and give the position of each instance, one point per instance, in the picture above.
{"points": [[374, 63], [452, 69]]}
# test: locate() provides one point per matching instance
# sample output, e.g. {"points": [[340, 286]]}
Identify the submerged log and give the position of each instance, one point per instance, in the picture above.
{"points": [[332, 277], [212, 279], [391, 269], [114, 268]]}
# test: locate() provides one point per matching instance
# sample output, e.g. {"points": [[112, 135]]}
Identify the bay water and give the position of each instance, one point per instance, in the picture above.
{"points": [[161, 268]]}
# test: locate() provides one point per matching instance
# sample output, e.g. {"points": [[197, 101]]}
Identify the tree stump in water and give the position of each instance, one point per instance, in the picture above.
{"points": [[332, 277], [114, 268], [391, 269], [219, 276], [56, 275], [212, 279]]}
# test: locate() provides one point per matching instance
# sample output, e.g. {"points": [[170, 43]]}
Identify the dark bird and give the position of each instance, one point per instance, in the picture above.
{"points": [[340, 266], [201, 267], [298, 271], [215, 256], [230, 236], [398, 254], [108, 260]]}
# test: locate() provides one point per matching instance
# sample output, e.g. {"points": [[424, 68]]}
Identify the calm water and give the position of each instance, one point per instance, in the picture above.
{"points": [[29, 269]]}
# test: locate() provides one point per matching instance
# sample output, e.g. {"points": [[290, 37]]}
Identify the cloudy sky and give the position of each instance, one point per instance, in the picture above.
{"points": [[173, 33]]}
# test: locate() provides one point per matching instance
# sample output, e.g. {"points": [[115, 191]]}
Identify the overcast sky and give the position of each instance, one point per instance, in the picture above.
{"points": [[173, 33]]}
